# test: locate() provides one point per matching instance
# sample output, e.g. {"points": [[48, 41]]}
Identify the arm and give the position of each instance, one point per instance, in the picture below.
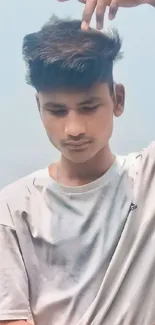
{"points": [[14, 299]]}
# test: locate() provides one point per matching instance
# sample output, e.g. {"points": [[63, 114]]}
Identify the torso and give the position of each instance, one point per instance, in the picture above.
{"points": [[89, 252]]}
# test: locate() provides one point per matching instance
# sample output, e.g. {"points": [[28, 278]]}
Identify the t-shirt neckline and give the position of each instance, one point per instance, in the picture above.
{"points": [[113, 171]]}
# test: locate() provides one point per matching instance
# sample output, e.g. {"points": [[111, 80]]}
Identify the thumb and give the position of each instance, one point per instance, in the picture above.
{"points": [[113, 9]]}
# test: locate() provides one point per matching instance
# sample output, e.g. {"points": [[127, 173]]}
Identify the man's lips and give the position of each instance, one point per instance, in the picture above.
{"points": [[77, 144]]}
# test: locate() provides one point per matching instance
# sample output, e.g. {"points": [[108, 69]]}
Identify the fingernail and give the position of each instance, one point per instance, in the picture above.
{"points": [[84, 25], [111, 17], [112, 12], [99, 26]]}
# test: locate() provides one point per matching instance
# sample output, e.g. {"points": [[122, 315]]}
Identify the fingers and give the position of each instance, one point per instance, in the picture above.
{"points": [[100, 6], [100, 12], [113, 9], [88, 12]]}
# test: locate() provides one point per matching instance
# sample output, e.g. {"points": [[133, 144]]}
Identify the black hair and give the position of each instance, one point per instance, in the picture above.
{"points": [[61, 55]]}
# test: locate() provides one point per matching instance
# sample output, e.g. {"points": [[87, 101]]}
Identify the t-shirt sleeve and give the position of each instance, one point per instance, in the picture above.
{"points": [[14, 301]]}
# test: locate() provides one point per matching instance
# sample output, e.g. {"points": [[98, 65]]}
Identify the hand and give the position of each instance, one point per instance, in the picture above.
{"points": [[100, 7]]}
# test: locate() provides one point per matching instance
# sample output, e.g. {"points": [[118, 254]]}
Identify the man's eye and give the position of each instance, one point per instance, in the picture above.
{"points": [[90, 108], [60, 112]]}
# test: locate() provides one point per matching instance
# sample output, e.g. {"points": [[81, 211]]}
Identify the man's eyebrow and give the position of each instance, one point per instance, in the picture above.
{"points": [[90, 100], [54, 105], [51, 105]]}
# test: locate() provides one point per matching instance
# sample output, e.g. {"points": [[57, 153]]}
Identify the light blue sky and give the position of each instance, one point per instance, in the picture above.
{"points": [[24, 146]]}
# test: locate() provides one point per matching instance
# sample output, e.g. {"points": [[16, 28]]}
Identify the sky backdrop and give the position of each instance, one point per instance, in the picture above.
{"points": [[23, 142]]}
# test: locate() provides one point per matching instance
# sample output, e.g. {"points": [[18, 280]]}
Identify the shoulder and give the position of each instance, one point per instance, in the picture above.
{"points": [[141, 169], [16, 195], [144, 159], [23, 186]]}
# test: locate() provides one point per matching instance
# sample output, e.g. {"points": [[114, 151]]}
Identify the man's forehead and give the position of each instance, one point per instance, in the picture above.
{"points": [[68, 103], [79, 97]]}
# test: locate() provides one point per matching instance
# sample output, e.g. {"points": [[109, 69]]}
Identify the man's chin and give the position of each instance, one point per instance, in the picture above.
{"points": [[78, 157]]}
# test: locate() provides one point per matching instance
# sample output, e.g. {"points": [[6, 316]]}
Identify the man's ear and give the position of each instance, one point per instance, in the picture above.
{"points": [[38, 102], [119, 94]]}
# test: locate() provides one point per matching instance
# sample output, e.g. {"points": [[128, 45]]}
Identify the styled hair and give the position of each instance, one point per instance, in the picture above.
{"points": [[61, 55]]}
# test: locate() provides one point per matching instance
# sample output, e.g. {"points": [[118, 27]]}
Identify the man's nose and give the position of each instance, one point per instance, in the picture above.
{"points": [[74, 125]]}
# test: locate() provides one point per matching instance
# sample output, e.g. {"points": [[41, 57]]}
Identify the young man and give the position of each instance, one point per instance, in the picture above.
{"points": [[77, 240]]}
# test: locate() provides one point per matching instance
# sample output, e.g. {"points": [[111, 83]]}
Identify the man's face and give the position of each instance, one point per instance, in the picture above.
{"points": [[79, 123]]}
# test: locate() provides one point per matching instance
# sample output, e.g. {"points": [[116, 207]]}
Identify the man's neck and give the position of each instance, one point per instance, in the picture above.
{"points": [[72, 174]]}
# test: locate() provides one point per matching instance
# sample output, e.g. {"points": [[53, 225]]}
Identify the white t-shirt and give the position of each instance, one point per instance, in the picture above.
{"points": [[81, 255]]}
